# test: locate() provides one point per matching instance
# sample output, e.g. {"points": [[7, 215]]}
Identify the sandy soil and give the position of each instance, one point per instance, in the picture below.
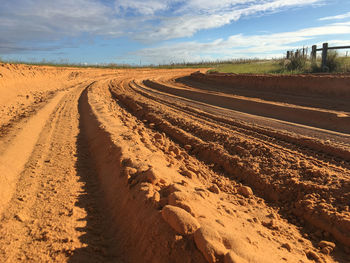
{"points": [[100, 165]]}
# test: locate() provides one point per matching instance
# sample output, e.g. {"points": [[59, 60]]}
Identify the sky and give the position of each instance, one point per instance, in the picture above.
{"points": [[143, 32]]}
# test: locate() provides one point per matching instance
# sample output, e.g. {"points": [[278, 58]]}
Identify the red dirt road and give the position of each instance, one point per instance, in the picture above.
{"points": [[146, 165]]}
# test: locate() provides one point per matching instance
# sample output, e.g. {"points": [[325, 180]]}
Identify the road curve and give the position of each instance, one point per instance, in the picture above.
{"points": [[131, 166]]}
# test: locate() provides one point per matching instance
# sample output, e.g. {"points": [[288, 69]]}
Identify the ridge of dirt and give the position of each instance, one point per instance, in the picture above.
{"points": [[300, 196], [332, 148], [189, 189], [140, 228], [316, 90], [337, 121]]}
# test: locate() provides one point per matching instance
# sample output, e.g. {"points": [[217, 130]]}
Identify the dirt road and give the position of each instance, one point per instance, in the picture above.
{"points": [[143, 165]]}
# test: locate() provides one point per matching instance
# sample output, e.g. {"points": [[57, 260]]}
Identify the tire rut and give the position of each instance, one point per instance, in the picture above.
{"points": [[291, 195], [56, 214]]}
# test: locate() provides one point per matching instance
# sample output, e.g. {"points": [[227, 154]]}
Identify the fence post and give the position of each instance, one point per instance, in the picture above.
{"points": [[324, 56], [313, 53]]}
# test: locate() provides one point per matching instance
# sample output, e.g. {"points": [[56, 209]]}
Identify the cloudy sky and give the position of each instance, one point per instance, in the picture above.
{"points": [[166, 31]]}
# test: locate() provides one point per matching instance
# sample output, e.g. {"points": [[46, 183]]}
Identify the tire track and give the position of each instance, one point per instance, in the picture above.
{"points": [[56, 213], [305, 145], [297, 196]]}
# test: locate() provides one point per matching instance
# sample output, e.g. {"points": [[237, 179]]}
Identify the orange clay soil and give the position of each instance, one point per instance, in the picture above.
{"points": [[146, 165]]}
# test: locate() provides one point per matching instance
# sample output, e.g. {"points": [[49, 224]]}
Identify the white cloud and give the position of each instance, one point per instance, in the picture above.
{"points": [[141, 6], [29, 24], [238, 46], [26, 22], [198, 15], [338, 17]]}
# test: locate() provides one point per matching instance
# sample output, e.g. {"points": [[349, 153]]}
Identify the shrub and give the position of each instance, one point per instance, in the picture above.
{"points": [[333, 61], [315, 68], [296, 63]]}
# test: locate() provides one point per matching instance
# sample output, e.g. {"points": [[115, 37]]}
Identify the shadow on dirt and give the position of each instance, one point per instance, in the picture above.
{"points": [[100, 245]]}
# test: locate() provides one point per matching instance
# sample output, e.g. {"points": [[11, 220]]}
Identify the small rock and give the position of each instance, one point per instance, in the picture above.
{"points": [[313, 255], [242, 202], [180, 220], [287, 246], [326, 247], [324, 243], [214, 189], [245, 191]]}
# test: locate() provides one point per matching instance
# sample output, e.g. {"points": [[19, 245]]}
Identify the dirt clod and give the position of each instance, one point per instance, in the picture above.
{"points": [[245, 191], [180, 220]]}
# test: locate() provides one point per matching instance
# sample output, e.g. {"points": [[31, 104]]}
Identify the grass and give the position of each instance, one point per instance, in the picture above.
{"points": [[256, 67], [238, 66], [335, 64]]}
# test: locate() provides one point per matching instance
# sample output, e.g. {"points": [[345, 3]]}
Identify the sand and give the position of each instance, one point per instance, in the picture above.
{"points": [[155, 165]]}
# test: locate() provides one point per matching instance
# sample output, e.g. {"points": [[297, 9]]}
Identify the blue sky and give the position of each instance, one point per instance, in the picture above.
{"points": [[164, 31]]}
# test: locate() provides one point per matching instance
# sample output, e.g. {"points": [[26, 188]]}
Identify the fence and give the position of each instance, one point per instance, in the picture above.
{"points": [[303, 52], [297, 53]]}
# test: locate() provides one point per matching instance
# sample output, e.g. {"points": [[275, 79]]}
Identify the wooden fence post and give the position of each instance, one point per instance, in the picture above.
{"points": [[324, 56], [313, 53]]}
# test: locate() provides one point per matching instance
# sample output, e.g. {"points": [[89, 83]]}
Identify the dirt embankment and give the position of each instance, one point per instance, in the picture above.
{"points": [[118, 169], [331, 120], [307, 90], [25, 89]]}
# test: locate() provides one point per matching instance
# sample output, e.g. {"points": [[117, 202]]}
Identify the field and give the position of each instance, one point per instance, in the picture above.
{"points": [[173, 165], [254, 67]]}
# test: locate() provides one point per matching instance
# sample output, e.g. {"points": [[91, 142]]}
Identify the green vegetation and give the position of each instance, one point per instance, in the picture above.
{"points": [[295, 65], [256, 67]]}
